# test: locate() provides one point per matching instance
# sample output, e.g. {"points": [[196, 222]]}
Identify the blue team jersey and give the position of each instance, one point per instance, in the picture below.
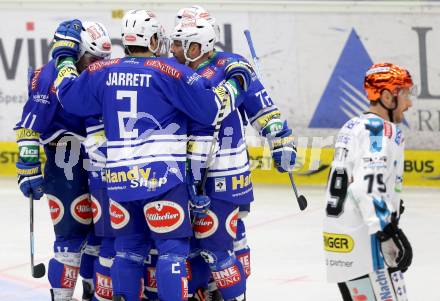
{"points": [[145, 104], [43, 113], [96, 153], [229, 175]]}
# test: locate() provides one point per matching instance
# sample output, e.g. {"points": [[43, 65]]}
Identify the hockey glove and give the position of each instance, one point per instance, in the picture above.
{"points": [[241, 71], [30, 179], [395, 247], [67, 39], [199, 203], [282, 146]]}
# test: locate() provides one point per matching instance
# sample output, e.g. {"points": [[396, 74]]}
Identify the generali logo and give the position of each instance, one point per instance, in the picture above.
{"points": [[164, 216], [56, 208]]}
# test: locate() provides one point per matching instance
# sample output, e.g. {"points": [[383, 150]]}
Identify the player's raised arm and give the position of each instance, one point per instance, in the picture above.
{"points": [[75, 93], [194, 95]]}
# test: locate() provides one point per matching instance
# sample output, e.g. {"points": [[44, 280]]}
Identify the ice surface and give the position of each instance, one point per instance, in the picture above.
{"points": [[287, 258]]}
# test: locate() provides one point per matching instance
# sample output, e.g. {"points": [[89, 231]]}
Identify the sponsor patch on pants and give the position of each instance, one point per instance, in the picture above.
{"points": [[245, 260], [151, 280], [119, 216], [184, 288], [81, 209], [56, 209], [164, 216], [69, 276], [227, 277], [206, 226], [104, 287]]}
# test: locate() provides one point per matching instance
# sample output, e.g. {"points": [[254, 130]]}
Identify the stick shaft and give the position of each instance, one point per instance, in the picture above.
{"points": [[247, 33], [31, 230], [214, 142]]}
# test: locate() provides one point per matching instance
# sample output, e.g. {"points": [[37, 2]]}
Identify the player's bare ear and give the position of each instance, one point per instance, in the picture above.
{"points": [[194, 49]]}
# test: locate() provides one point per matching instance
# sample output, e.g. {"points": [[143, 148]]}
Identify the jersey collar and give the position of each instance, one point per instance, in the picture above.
{"points": [[208, 61]]}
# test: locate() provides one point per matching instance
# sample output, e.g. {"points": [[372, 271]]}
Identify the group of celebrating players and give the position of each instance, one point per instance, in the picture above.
{"points": [[153, 207]]}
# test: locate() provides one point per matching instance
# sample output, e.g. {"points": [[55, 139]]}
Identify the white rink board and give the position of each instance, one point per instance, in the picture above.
{"points": [[287, 257], [299, 51]]}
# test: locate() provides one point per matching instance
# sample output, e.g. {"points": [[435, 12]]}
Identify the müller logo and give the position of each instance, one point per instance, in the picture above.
{"points": [[206, 226], [164, 216]]}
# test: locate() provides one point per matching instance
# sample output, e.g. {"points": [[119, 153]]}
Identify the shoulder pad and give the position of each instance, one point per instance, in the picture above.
{"points": [[352, 124], [34, 79], [41, 79]]}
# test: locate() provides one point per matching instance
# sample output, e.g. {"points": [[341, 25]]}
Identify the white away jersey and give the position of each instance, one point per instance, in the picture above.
{"points": [[362, 191]]}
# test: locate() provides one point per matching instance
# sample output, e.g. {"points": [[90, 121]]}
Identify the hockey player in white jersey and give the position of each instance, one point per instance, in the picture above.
{"points": [[366, 250]]}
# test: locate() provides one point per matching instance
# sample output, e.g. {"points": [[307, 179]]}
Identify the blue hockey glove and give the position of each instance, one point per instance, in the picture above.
{"points": [[282, 146], [30, 179], [67, 39], [241, 71], [199, 203]]}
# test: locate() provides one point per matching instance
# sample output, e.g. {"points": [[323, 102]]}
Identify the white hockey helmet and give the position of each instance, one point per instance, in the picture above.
{"points": [[95, 40], [194, 30], [196, 11], [138, 26]]}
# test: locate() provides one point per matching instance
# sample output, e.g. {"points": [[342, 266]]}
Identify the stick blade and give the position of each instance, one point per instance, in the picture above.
{"points": [[39, 270], [302, 202]]}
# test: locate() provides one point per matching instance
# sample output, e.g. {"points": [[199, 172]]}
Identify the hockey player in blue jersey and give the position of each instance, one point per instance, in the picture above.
{"points": [[145, 103], [45, 122], [228, 183], [95, 145]]}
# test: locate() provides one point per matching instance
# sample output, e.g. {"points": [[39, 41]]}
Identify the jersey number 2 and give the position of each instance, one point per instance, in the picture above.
{"points": [[126, 130]]}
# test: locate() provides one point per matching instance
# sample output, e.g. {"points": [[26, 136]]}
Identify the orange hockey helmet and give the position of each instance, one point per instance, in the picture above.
{"points": [[386, 76]]}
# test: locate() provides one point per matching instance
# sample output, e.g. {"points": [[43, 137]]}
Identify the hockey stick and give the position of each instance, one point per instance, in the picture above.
{"points": [[210, 157], [214, 142], [302, 202], [38, 270]]}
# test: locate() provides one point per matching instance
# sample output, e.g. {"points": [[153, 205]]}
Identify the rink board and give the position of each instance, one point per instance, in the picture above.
{"points": [[422, 167]]}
